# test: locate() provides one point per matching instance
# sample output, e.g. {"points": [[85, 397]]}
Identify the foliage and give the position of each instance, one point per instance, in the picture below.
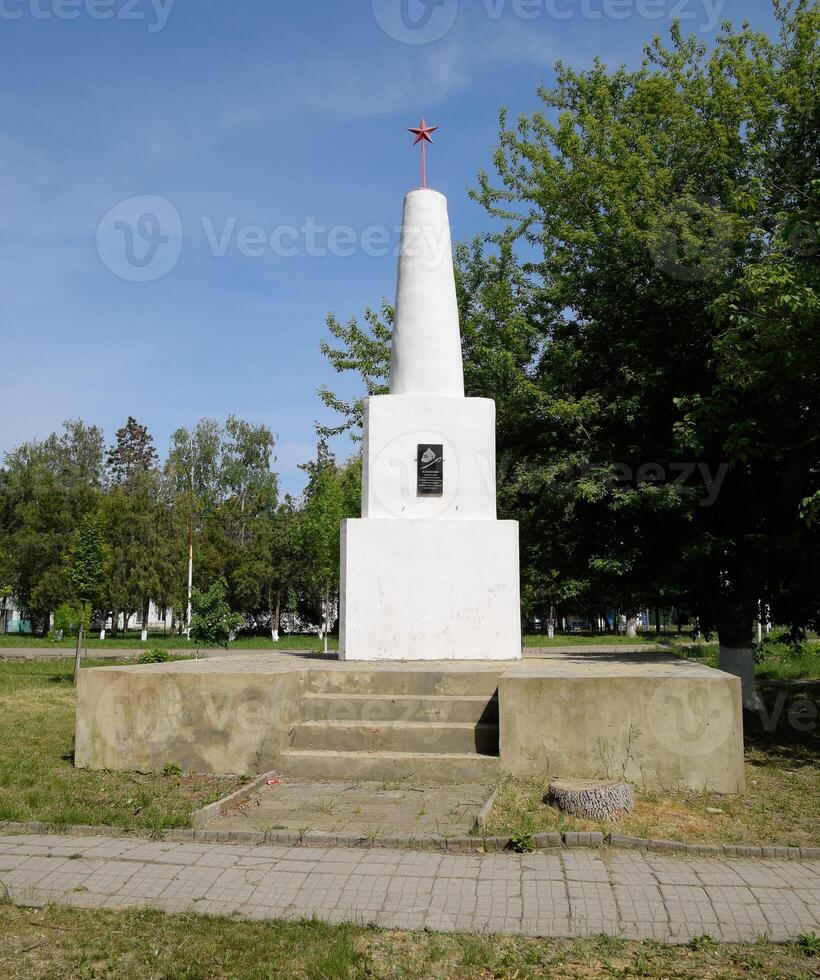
{"points": [[213, 622], [66, 621], [809, 943], [333, 493], [133, 452], [522, 842], [155, 656], [46, 488], [88, 560], [657, 209], [147, 542], [365, 350]]}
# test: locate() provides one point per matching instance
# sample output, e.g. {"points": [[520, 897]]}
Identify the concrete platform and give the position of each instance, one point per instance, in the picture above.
{"points": [[380, 810], [659, 721]]}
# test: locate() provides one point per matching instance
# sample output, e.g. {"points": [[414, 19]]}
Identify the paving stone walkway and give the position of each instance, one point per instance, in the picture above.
{"points": [[572, 893]]}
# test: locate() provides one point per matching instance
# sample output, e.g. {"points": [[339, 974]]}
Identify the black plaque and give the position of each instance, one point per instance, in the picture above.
{"points": [[430, 461]]}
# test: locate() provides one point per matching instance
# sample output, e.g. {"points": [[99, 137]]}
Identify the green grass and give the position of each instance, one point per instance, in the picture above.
{"points": [[775, 661], [137, 944], [38, 780], [132, 641], [586, 640]]}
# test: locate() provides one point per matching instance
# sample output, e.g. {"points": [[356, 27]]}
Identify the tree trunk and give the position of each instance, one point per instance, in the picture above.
{"points": [[632, 627], [591, 799], [657, 620], [77, 652], [735, 625], [551, 627], [146, 608], [277, 618], [190, 558], [326, 618]]}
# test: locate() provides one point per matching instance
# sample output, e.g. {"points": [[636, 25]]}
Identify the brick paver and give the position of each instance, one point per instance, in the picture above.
{"points": [[564, 894]]}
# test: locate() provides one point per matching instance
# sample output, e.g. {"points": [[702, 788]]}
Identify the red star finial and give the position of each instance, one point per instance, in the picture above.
{"points": [[423, 135]]}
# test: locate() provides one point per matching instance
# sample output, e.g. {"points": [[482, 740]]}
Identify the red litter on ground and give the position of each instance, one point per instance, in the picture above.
{"points": [[273, 782]]}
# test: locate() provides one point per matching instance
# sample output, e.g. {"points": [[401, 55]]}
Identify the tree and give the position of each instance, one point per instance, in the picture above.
{"points": [[247, 482], [46, 488], [193, 466], [267, 571], [87, 567], [333, 493], [6, 591], [141, 529], [366, 352], [146, 546], [213, 622], [133, 453], [655, 206]]}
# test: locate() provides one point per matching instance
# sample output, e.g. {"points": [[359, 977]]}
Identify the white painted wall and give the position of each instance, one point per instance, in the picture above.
{"points": [[395, 426], [430, 590]]}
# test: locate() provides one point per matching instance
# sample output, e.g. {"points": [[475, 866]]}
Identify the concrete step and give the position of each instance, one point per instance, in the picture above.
{"points": [[407, 681], [425, 767], [376, 708], [439, 738]]}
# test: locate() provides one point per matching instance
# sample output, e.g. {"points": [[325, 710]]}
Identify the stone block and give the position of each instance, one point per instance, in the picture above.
{"points": [[430, 590], [658, 722], [396, 425]]}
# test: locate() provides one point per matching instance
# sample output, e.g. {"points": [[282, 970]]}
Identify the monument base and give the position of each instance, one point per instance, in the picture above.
{"points": [[429, 590], [657, 721]]}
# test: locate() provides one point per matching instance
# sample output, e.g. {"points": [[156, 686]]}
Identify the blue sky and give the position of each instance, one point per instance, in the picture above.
{"points": [[246, 119]]}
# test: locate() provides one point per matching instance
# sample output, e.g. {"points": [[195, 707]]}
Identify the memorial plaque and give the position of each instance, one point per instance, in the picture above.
{"points": [[430, 462]]}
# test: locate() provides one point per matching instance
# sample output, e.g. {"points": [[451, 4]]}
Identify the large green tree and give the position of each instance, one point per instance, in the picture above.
{"points": [[193, 470], [46, 488], [657, 212], [147, 547], [140, 527]]}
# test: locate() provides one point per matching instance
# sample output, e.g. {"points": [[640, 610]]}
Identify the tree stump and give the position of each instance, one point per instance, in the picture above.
{"points": [[591, 799]]}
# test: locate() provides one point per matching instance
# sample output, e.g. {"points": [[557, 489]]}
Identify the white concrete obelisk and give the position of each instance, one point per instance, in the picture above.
{"points": [[426, 337], [428, 573]]}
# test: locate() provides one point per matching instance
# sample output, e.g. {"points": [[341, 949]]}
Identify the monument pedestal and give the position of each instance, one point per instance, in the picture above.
{"points": [[430, 590], [660, 722]]}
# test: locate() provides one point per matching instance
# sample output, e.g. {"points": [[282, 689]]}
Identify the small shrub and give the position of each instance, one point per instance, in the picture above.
{"points": [[171, 769], [522, 843], [66, 622], [213, 622], [155, 656]]}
